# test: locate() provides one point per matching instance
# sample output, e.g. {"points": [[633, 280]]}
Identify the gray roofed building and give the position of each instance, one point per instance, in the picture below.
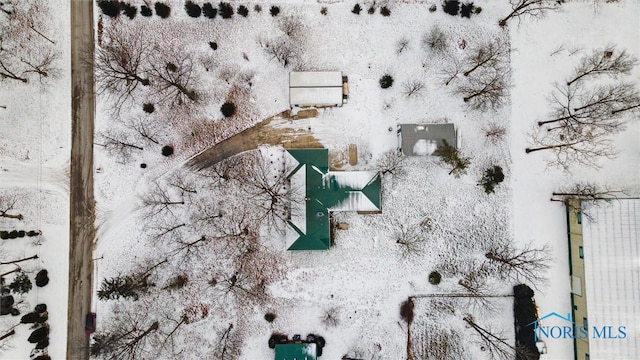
{"points": [[424, 139]]}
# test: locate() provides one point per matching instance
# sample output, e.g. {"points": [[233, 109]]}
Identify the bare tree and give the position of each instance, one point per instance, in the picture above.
{"points": [[229, 345], [527, 264], [146, 127], [533, 8], [269, 189], [485, 90], [585, 147], [25, 51], [121, 63], [402, 45], [33, 257], [607, 61], [495, 343], [494, 132], [161, 201], [281, 49], [172, 78], [8, 201], [599, 107], [118, 143], [331, 317], [587, 191], [435, 40], [492, 55], [392, 162], [450, 71], [579, 127], [126, 337], [292, 26], [413, 88], [410, 238]]}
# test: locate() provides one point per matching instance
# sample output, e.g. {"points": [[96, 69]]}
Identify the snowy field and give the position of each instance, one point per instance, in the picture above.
{"points": [[35, 141], [351, 294], [206, 251]]}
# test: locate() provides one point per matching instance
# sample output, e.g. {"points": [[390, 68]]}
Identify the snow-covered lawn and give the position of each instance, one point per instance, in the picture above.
{"points": [[35, 143], [352, 293]]}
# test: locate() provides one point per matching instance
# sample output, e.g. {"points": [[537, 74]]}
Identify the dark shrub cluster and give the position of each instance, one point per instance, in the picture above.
{"points": [[209, 11], [162, 10], [372, 10], [148, 108], [451, 7], [406, 311], [225, 10], [42, 278], [385, 11], [228, 109], [213, 45], [466, 10], [110, 8], [454, 7], [356, 9], [21, 284], [257, 8], [270, 317], [435, 278], [386, 81], [192, 9], [491, 178], [14, 234], [274, 11], [146, 11], [167, 150], [129, 10], [243, 11], [324, 10], [524, 311]]}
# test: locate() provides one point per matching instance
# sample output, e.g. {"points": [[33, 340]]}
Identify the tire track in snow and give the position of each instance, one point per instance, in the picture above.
{"points": [[20, 174]]}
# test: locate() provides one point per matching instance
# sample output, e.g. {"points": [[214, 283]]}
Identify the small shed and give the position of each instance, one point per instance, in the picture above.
{"points": [[296, 351], [425, 139], [317, 88]]}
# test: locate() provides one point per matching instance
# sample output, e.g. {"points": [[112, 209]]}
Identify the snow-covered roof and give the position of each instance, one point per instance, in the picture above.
{"points": [[298, 212], [356, 199], [324, 191], [315, 96], [315, 88], [315, 79], [424, 139], [611, 235]]}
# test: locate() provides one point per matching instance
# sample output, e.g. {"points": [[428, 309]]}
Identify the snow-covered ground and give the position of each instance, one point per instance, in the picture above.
{"points": [[35, 143], [537, 65], [362, 280]]}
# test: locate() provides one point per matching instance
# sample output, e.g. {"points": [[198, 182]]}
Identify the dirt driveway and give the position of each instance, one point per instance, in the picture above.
{"points": [[262, 133]]}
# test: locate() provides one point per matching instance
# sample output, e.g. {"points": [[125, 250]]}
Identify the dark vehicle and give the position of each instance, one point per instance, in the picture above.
{"points": [[90, 323]]}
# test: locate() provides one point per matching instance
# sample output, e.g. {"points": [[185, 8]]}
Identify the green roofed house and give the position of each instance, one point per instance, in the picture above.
{"points": [[324, 191], [295, 351]]}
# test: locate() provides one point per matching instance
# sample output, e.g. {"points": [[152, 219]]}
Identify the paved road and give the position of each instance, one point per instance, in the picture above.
{"points": [[82, 230]]}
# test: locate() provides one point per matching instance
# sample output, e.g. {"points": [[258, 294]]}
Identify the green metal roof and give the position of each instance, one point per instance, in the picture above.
{"points": [[325, 190], [296, 352]]}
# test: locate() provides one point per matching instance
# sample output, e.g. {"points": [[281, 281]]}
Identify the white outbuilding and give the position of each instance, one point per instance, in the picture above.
{"points": [[317, 88]]}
